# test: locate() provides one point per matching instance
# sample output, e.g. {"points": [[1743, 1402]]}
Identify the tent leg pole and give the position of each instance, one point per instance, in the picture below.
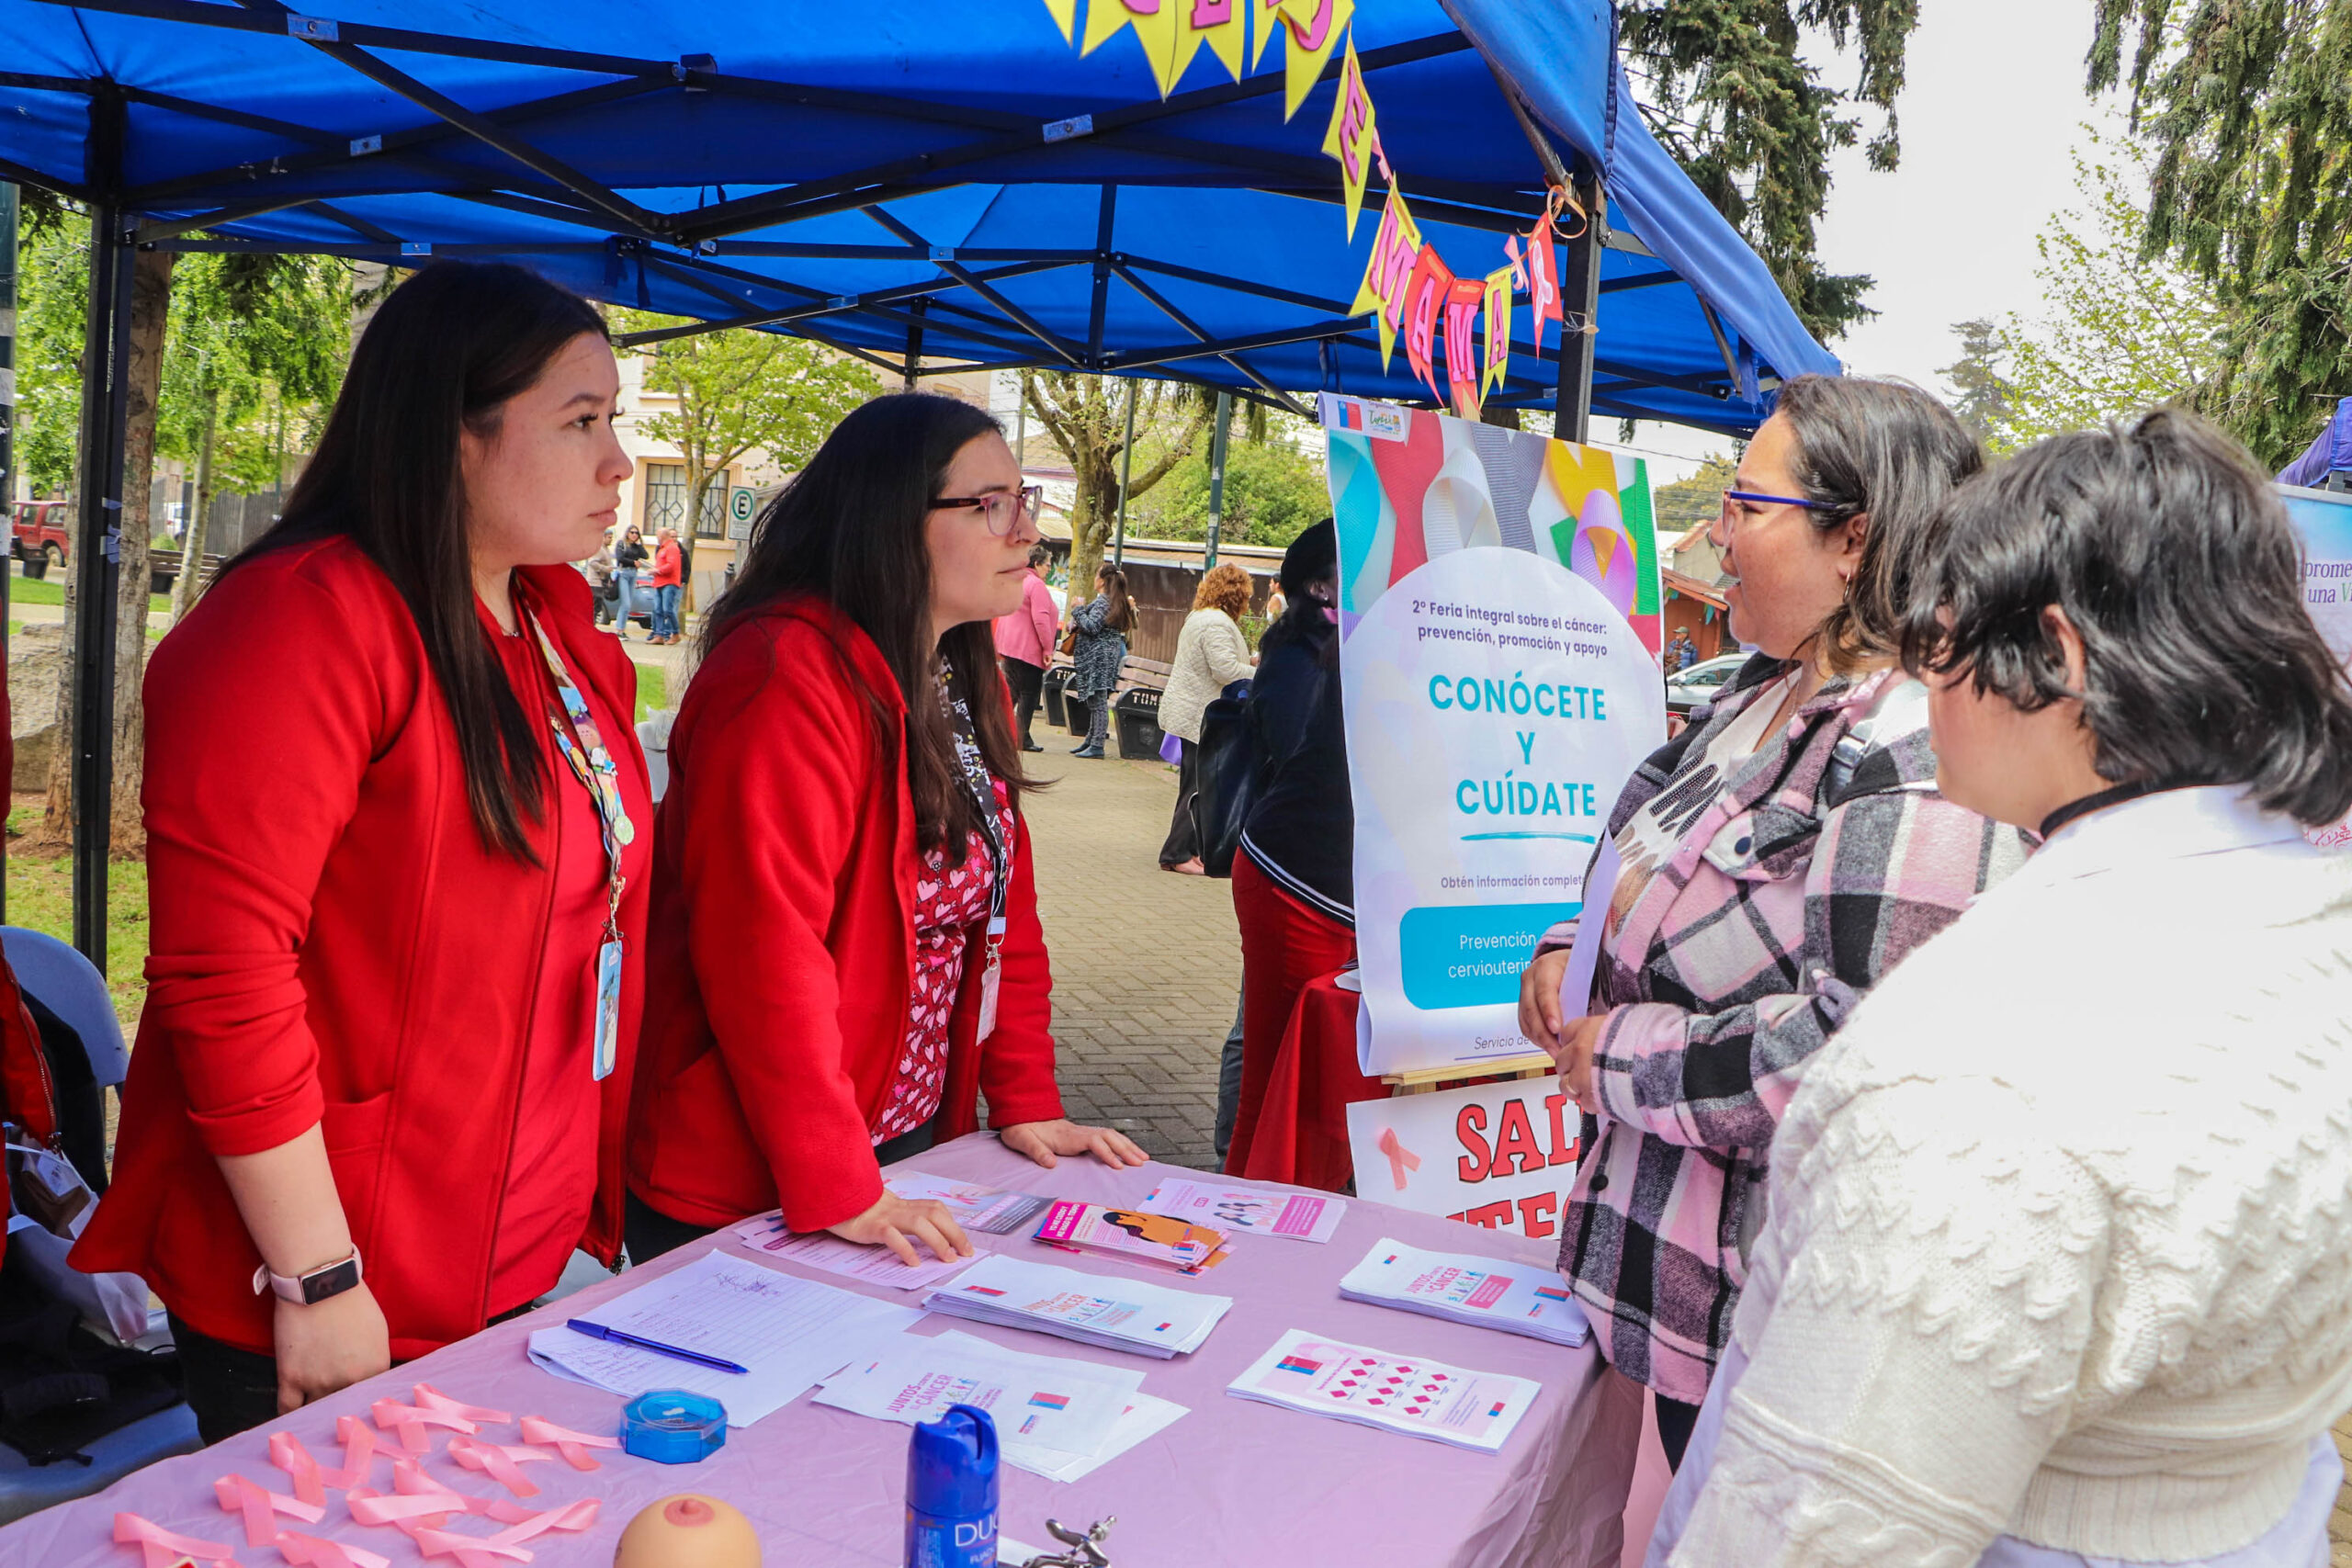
{"points": [[1126, 475], [8, 412], [1580, 296], [1216, 475], [106, 385], [914, 346]]}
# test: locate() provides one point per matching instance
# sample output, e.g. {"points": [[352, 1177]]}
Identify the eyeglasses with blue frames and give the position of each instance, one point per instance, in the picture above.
{"points": [[1003, 511], [1749, 499]]}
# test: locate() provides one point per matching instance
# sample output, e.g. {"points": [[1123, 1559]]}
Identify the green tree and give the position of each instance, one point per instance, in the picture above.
{"points": [[1983, 404], [1731, 97], [739, 390], [1275, 490], [2119, 332], [1086, 416], [2245, 111], [1684, 505]]}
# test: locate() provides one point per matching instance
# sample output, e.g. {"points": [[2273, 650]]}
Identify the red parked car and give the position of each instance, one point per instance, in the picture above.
{"points": [[43, 535]]}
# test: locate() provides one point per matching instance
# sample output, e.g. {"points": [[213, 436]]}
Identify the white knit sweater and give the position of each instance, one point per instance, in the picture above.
{"points": [[2060, 1241], [1211, 654]]}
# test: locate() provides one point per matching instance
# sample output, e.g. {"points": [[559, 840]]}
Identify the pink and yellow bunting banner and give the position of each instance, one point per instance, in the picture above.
{"points": [[1395, 248], [1352, 136], [1497, 309], [1216, 23]]}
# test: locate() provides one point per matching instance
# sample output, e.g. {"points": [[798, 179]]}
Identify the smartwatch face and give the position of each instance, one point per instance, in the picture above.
{"points": [[331, 1281]]}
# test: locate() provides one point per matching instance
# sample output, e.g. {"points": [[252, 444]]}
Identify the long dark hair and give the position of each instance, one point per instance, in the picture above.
{"points": [[1888, 450], [1120, 614], [2174, 558], [851, 530], [443, 356], [1312, 556]]}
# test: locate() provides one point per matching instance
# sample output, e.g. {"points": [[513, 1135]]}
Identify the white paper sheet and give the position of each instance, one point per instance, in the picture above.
{"points": [[975, 1207], [1592, 921], [1146, 1415], [1297, 1216], [1049, 1409], [790, 1332], [1464, 1287], [1098, 1309], [874, 1265], [1375, 1388]]}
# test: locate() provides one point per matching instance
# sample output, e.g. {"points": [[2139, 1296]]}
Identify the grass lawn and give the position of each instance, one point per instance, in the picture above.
{"points": [[42, 591], [653, 689], [41, 896]]}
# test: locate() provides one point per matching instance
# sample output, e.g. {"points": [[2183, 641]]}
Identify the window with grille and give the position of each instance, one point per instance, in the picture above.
{"points": [[712, 523], [665, 496]]}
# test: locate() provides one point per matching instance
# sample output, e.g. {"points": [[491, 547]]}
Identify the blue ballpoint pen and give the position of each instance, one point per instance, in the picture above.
{"points": [[598, 1331]]}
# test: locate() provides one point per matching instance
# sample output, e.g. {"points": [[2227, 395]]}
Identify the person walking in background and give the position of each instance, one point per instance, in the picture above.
{"points": [[1211, 654], [2020, 1298], [669, 579], [1778, 858], [1024, 644], [1681, 652], [628, 562], [847, 953], [1293, 878], [1102, 624], [600, 578], [380, 918]]}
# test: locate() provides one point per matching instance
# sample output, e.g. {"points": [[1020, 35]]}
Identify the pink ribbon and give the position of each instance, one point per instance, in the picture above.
{"points": [[287, 1452], [579, 1516], [574, 1446], [471, 1551], [433, 1409], [1400, 1159], [309, 1551], [260, 1506], [358, 1440], [160, 1548], [500, 1463]]}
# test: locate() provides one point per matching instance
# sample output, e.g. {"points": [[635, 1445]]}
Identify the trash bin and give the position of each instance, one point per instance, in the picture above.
{"points": [[1055, 679], [1076, 713], [1137, 711]]}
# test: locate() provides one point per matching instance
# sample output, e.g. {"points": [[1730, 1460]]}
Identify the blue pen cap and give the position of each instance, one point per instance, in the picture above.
{"points": [[952, 1465]]}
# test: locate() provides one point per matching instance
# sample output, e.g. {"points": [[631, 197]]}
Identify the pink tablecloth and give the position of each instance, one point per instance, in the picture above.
{"points": [[1232, 1482]]}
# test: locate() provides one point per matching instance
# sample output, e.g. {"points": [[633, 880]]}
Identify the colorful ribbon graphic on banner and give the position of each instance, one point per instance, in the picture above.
{"points": [[1407, 286]]}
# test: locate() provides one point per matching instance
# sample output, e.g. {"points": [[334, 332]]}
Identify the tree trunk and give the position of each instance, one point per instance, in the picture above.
{"points": [[1091, 521], [151, 305], [192, 543]]}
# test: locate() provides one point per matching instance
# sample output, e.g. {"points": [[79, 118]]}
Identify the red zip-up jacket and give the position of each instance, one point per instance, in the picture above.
{"points": [[332, 944], [783, 947]]}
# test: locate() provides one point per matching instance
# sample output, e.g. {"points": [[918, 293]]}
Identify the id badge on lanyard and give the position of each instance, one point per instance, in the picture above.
{"points": [[608, 1009]]}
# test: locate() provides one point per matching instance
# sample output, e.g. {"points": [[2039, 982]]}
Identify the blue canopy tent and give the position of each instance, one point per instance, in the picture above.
{"points": [[901, 179]]}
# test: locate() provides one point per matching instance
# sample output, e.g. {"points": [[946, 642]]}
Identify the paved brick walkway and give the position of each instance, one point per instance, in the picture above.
{"points": [[1147, 966]]}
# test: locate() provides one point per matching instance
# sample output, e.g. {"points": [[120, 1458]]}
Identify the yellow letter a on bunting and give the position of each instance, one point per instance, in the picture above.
{"points": [[1497, 331], [1352, 136], [1216, 23], [1065, 13], [1394, 248]]}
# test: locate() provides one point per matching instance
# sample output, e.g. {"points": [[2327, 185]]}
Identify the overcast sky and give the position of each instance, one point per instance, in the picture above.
{"points": [[1992, 104]]}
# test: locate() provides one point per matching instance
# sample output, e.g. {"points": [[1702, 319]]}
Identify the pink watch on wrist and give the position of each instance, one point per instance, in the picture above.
{"points": [[308, 1289]]}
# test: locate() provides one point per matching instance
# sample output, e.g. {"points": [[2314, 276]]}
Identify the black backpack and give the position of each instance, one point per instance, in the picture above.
{"points": [[1229, 775]]}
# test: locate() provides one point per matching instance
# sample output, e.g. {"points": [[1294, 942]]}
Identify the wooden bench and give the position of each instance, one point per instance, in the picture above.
{"points": [[164, 566], [1150, 674]]}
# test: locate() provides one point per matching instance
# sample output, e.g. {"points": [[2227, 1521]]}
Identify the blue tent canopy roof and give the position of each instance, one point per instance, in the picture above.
{"points": [[859, 173]]}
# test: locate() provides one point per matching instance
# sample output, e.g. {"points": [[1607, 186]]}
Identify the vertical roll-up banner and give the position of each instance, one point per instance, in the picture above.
{"points": [[1499, 672], [2323, 517]]}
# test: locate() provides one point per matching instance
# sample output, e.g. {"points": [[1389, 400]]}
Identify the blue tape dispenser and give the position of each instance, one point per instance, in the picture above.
{"points": [[672, 1427]]}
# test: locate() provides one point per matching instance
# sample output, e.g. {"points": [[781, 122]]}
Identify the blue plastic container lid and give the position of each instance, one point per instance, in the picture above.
{"points": [[673, 1427], [952, 1465]]}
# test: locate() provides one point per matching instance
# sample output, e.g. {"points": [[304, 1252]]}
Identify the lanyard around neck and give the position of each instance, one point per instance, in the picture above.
{"points": [[583, 745], [982, 784]]}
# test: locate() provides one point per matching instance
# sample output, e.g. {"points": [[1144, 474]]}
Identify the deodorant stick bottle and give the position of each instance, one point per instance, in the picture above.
{"points": [[952, 1491]]}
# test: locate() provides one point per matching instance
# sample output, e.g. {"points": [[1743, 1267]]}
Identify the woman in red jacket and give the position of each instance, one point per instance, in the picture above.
{"points": [[396, 843], [846, 942]]}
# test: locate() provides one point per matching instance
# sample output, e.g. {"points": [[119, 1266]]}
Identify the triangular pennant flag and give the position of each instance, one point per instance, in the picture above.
{"points": [[1394, 247], [1103, 20], [1425, 293], [1065, 15], [1352, 135], [1543, 278], [1497, 331], [1218, 23], [1155, 30], [1314, 28], [1461, 301]]}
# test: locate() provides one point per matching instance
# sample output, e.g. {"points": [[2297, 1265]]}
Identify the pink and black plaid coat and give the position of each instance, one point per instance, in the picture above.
{"points": [[1826, 857]]}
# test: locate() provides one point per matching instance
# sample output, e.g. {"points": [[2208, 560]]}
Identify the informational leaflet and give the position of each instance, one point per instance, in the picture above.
{"points": [[1401, 1394], [1093, 1309], [1145, 1416], [790, 1332], [976, 1208], [1132, 1234], [1460, 1288], [821, 1249], [1049, 1409], [1298, 1216]]}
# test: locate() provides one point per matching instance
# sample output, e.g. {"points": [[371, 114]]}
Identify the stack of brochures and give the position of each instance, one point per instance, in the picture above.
{"points": [[970, 1205], [1133, 1235], [1460, 1288], [1400, 1393], [1093, 1309]]}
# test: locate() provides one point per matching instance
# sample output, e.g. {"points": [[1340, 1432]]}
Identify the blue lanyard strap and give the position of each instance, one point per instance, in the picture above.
{"points": [[583, 745]]}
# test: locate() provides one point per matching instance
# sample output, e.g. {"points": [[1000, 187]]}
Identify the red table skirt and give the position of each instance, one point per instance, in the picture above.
{"points": [[1301, 1133]]}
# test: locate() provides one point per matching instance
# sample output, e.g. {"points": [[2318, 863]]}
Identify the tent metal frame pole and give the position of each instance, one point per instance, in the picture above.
{"points": [[1580, 298], [1099, 310], [914, 346], [1218, 447], [105, 388], [1127, 477], [1180, 318], [7, 407]]}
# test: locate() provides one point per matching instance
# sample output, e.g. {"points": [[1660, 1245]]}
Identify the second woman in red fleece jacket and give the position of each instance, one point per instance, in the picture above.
{"points": [[845, 943]]}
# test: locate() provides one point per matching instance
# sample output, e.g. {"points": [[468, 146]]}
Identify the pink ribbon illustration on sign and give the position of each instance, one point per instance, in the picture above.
{"points": [[1400, 1159]]}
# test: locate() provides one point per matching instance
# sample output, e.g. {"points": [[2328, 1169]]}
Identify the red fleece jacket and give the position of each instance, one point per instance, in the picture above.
{"points": [[783, 947]]}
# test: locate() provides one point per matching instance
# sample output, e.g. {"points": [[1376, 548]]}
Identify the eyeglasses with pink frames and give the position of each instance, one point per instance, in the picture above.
{"points": [[1003, 511]]}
